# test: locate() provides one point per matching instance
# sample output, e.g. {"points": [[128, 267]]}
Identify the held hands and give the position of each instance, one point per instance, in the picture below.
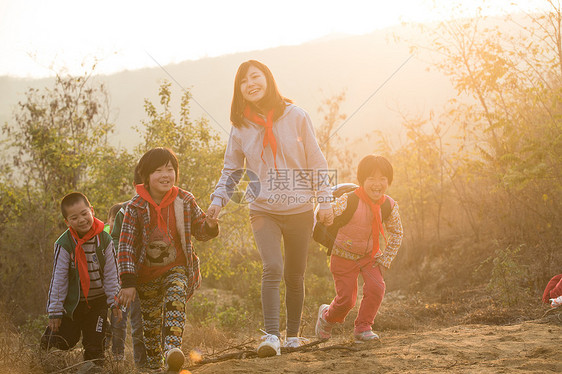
{"points": [[212, 218], [54, 324], [326, 216], [127, 296], [117, 313]]}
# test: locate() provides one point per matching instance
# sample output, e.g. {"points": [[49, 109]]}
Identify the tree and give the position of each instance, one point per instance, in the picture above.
{"points": [[510, 74], [330, 142], [57, 143], [58, 133], [197, 146]]}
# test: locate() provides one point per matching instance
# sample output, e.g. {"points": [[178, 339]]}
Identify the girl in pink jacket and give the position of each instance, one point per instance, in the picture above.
{"points": [[357, 249]]}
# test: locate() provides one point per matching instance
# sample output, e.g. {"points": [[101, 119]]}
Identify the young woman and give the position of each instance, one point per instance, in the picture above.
{"points": [[275, 141], [156, 260]]}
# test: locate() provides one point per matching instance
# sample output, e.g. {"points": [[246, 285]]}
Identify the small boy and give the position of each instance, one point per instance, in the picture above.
{"points": [[356, 248], [119, 328], [84, 281]]}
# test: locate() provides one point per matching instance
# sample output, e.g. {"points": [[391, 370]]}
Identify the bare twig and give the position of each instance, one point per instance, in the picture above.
{"points": [[239, 346], [303, 347], [226, 357], [551, 311]]}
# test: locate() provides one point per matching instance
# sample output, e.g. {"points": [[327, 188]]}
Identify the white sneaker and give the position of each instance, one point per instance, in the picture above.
{"points": [[365, 336], [270, 346], [295, 342], [323, 328]]}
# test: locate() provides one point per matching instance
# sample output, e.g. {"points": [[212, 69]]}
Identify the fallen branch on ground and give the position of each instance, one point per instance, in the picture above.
{"points": [[552, 310], [253, 354]]}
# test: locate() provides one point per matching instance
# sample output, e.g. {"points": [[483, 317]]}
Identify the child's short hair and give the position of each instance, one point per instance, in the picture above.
{"points": [[153, 159], [371, 163], [71, 199], [114, 210]]}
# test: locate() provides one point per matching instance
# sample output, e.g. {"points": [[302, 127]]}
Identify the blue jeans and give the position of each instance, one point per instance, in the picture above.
{"points": [[119, 330]]}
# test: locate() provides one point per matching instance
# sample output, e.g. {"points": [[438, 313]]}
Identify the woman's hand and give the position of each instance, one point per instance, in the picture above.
{"points": [[326, 216], [127, 296], [213, 215]]}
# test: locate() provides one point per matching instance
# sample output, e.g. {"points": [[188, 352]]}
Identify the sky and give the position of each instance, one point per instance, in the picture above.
{"points": [[41, 38]]}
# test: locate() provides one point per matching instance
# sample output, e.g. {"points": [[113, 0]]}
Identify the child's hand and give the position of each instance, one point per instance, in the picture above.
{"points": [[127, 296], [54, 324], [326, 216], [117, 313], [212, 218]]}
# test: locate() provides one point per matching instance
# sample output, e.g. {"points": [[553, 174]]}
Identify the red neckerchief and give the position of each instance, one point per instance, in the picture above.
{"points": [[80, 257], [268, 137], [168, 199], [377, 218]]}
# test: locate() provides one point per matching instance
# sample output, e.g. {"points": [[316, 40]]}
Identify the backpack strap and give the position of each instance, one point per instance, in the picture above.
{"points": [[326, 235], [351, 207], [386, 208]]}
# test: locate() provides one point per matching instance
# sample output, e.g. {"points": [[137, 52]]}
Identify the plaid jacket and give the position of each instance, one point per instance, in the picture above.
{"points": [[133, 241]]}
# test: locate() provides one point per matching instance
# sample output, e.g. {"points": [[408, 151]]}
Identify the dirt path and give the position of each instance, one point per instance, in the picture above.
{"points": [[528, 347]]}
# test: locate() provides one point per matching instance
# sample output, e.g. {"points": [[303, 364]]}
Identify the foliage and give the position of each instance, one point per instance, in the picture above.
{"points": [[338, 155], [58, 133], [210, 310], [507, 276], [491, 160], [197, 146]]}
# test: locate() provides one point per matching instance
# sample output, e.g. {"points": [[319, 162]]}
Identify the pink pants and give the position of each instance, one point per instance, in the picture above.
{"points": [[346, 273]]}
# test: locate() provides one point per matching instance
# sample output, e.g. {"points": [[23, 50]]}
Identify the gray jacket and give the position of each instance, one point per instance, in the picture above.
{"points": [[301, 177]]}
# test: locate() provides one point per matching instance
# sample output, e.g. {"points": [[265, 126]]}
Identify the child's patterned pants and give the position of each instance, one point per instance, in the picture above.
{"points": [[163, 313]]}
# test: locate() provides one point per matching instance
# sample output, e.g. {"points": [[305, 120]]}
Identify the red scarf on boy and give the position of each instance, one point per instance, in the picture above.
{"points": [[268, 137], [80, 256], [167, 200], [377, 220]]}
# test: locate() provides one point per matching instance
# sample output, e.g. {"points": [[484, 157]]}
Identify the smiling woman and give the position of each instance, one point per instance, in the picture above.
{"points": [[274, 139]]}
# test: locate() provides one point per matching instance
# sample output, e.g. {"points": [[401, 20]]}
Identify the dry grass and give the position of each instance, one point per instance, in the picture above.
{"points": [[399, 313]]}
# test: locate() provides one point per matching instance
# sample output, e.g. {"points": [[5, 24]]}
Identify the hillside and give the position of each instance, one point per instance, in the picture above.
{"points": [[306, 73]]}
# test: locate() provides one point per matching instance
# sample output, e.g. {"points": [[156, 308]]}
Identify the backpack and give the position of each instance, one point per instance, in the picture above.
{"points": [[326, 235]]}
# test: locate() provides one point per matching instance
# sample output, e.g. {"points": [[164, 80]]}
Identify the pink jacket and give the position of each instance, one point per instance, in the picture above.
{"points": [[355, 239]]}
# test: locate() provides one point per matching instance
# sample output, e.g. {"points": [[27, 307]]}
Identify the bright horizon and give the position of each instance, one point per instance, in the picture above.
{"points": [[42, 38]]}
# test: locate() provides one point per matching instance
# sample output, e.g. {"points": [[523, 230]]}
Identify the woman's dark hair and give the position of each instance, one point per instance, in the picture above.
{"points": [[154, 159], [271, 100], [370, 164]]}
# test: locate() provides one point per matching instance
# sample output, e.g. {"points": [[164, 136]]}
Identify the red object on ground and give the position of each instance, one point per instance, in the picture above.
{"points": [[553, 289]]}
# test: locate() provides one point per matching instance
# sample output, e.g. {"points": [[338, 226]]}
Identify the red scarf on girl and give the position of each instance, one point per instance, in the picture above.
{"points": [[80, 256], [377, 220], [268, 137], [167, 200]]}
